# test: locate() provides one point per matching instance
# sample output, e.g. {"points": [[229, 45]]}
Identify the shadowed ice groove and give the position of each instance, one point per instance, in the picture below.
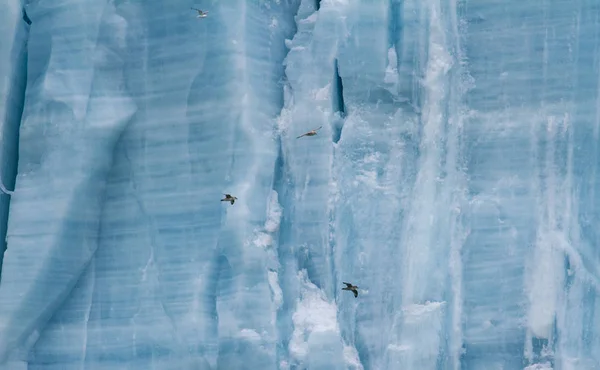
{"points": [[305, 238], [308, 159], [373, 172], [13, 52], [366, 170]]}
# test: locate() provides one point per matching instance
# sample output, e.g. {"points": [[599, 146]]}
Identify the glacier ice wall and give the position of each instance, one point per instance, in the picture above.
{"points": [[453, 180], [13, 54]]}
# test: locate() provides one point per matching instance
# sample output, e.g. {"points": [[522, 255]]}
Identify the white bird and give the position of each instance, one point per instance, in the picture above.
{"points": [[201, 13]]}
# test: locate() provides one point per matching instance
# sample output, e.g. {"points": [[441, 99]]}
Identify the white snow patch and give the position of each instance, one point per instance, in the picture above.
{"points": [[274, 23], [438, 67], [351, 358], [314, 314], [273, 278], [290, 45], [274, 211], [554, 212], [310, 19], [372, 158], [285, 117], [262, 240], [414, 311], [398, 347], [249, 334], [391, 71], [323, 93], [368, 176], [544, 287]]}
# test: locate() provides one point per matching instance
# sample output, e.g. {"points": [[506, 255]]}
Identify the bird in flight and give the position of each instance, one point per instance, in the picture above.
{"points": [[201, 13], [352, 288], [310, 133], [229, 198]]}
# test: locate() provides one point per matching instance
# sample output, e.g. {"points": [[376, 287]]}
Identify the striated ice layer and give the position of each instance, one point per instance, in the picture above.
{"points": [[138, 117], [453, 179], [13, 70], [531, 258]]}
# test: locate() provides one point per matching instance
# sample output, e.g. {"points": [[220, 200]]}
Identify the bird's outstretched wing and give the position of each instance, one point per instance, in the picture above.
{"points": [[355, 293], [320, 127], [301, 136], [348, 285], [227, 195]]}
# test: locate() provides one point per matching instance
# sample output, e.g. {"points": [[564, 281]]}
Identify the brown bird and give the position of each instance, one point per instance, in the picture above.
{"points": [[229, 198], [352, 288], [310, 133]]}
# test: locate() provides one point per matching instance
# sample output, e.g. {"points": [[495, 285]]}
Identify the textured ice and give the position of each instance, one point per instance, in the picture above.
{"points": [[453, 180], [12, 85]]}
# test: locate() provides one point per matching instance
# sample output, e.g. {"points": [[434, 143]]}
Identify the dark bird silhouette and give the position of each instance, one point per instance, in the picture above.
{"points": [[229, 198], [352, 288], [201, 13]]}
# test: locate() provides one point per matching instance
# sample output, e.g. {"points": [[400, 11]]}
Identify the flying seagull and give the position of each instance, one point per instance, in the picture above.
{"points": [[201, 13], [310, 133], [352, 288], [229, 198]]}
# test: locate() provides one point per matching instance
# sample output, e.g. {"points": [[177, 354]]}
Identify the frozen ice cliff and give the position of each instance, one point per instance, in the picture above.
{"points": [[454, 181]]}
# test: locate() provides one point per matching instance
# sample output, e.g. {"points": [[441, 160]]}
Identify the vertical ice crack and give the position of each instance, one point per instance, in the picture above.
{"points": [[26, 17], [274, 233], [339, 106], [11, 121]]}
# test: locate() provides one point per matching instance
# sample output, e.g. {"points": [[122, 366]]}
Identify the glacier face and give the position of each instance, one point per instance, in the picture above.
{"points": [[13, 52], [453, 180]]}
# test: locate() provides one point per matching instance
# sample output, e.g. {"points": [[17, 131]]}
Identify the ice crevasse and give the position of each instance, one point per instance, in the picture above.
{"points": [[453, 180]]}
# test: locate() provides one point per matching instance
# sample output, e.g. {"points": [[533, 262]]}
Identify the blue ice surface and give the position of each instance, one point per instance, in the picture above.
{"points": [[453, 179], [13, 70]]}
